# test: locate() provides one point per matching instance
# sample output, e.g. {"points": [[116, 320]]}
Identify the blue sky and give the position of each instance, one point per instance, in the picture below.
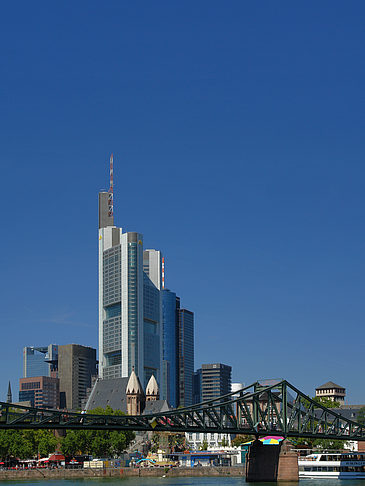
{"points": [[237, 129]]}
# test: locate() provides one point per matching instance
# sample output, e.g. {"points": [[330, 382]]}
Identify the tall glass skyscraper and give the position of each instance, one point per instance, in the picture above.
{"points": [[186, 356], [170, 306], [129, 302], [40, 361]]}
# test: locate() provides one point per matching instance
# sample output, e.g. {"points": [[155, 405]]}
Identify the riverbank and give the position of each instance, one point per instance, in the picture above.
{"points": [[121, 472]]}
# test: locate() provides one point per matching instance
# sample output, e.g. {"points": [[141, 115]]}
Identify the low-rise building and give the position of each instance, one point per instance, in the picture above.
{"points": [[330, 390], [40, 391]]}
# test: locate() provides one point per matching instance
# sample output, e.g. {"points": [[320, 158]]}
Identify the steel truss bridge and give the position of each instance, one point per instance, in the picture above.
{"points": [[259, 409]]}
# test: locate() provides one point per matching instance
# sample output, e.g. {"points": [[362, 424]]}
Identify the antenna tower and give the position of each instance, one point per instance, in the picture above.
{"points": [[110, 192]]}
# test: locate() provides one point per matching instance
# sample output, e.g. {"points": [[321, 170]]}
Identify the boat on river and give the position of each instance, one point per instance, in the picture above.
{"points": [[336, 465]]}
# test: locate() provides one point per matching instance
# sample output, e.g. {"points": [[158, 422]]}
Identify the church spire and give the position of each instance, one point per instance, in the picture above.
{"points": [[9, 397]]}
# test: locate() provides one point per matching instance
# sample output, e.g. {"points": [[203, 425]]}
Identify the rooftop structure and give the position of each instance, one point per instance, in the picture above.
{"points": [[330, 390]]}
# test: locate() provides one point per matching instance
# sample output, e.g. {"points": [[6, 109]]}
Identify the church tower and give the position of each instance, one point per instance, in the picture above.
{"points": [[9, 398], [135, 395], [152, 391]]}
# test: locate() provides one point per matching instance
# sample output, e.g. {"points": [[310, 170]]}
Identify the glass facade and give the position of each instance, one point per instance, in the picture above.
{"points": [[112, 324], [132, 308], [40, 361], [151, 329], [197, 387], [186, 356], [169, 322]]}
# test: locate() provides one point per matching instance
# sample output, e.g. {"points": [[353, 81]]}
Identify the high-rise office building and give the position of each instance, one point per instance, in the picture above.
{"points": [[129, 301], [40, 361], [152, 315], [170, 307], [197, 386], [185, 356], [152, 266], [216, 380], [76, 366]]}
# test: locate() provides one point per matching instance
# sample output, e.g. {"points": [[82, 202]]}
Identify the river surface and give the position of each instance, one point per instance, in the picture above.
{"points": [[216, 481]]}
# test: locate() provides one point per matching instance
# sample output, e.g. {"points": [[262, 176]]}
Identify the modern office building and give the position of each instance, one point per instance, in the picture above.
{"points": [[152, 266], [185, 356], [40, 391], [40, 361], [216, 380], [76, 366], [129, 301], [170, 308], [197, 386]]}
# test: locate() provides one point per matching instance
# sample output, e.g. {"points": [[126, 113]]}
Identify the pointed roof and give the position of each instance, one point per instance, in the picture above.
{"points": [[9, 396], [152, 386], [134, 385], [329, 384]]}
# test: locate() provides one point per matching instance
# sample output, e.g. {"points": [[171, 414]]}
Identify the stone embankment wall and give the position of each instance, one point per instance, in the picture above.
{"points": [[122, 472]]}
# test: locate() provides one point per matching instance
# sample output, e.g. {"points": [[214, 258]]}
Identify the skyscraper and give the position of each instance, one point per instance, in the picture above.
{"points": [[40, 361], [129, 300], [215, 381], [185, 356], [170, 306], [76, 366]]}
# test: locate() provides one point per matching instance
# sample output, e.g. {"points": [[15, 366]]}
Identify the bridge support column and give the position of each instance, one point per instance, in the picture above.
{"points": [[271, 463]]}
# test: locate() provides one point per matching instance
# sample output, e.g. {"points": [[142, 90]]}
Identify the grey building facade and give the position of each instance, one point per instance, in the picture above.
{"points": [[76, 366], [215, 380]]}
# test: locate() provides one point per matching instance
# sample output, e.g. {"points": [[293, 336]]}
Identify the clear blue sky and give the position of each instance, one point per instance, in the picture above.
{"points": [[238, 134]]}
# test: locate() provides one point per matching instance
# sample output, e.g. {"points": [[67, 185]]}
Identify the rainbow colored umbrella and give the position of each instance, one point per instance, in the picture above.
{"points": [[271, 440], [268, 440]]}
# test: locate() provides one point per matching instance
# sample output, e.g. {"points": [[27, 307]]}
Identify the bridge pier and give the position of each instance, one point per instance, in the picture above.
{"points": [[271, 463]]}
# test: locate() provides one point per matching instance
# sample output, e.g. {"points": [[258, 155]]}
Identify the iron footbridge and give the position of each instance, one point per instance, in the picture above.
{"points": [[259, 409]]}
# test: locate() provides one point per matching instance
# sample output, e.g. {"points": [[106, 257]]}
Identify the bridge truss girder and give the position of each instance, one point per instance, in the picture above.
{"points": [[259, 409]]}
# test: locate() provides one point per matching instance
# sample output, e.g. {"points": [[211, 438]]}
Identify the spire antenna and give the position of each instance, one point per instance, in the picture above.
{"points": [[110, 192]]}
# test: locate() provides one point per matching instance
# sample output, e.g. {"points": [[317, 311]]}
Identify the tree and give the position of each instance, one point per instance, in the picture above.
{"points": [[327, 402], [26, 444], [322, 443], [361, 416], [204, 446], [97, 442], [241, 439]]}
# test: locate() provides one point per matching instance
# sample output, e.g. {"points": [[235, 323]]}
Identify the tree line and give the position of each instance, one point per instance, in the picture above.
{"points": [[28, 444]]}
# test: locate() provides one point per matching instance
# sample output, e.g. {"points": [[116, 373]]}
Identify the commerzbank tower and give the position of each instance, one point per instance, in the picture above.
{"points": [[130, 310]]}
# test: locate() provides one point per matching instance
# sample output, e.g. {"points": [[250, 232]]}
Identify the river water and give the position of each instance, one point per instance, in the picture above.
{"points": [[161, 481]]}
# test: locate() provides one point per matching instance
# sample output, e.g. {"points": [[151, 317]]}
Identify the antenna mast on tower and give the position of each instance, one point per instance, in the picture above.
{"points": [[110, 192]]}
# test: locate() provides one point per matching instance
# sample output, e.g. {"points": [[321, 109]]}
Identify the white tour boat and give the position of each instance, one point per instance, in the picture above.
{"points": [[336, 465]]}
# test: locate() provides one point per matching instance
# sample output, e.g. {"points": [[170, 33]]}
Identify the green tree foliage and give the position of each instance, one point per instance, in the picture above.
{"points": [[241, 439], [204, 446], [323, 444], [361, 416], [327, 402], [97, 442], [26, 444]]}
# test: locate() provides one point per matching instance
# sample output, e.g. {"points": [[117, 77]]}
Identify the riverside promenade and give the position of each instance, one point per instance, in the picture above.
{"points": [[121, 472]]}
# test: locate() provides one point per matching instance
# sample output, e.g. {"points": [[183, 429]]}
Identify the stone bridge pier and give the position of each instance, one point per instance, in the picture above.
{"points": [[271, 462]]}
